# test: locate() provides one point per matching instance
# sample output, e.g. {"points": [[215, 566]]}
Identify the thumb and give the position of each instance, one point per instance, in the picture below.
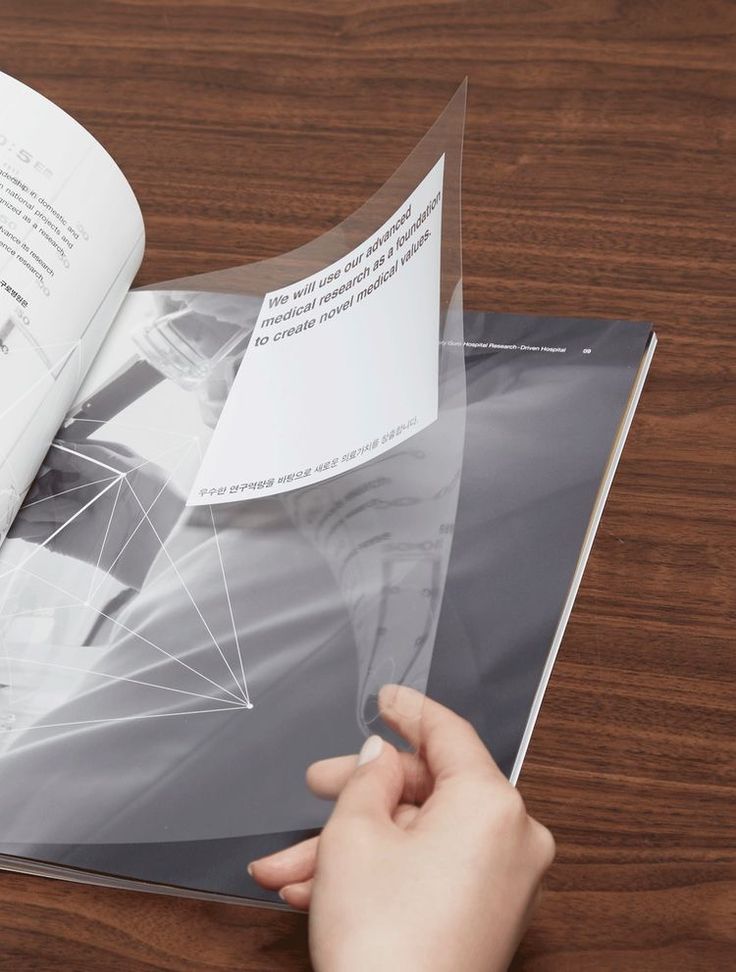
{"points": [[375, 788]]}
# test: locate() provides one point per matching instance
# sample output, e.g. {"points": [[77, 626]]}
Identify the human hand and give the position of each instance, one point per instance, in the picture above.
{"points": [[428, 863]]}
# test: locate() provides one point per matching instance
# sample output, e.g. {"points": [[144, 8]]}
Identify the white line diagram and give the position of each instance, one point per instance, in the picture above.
{"points": [[112, 517], [28, 371]]}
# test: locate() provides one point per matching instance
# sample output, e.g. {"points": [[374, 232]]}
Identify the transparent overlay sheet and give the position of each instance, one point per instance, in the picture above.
{"points": [[169, 672]]}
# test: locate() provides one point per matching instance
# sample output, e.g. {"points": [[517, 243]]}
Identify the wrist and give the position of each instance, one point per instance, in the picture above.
{"points": [[371, 955]]}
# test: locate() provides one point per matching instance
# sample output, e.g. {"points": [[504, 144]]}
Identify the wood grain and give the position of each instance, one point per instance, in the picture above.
{"points": [[599, 179]]}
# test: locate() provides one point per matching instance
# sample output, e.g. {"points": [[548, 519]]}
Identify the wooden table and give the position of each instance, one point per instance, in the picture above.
{"points": [[600, 179]]}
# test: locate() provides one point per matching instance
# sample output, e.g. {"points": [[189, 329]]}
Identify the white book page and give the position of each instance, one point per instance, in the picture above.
{"points": [[342, 365], [71, 241]]}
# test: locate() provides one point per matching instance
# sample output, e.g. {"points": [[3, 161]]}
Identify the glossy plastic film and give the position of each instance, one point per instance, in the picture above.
{"points": [[169, 670]]}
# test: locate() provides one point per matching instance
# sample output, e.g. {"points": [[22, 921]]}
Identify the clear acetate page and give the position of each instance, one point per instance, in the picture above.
{"points": [[170, 670]]}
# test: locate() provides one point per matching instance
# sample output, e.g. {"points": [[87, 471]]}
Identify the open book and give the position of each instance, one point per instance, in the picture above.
{"points": [[233, 506]]}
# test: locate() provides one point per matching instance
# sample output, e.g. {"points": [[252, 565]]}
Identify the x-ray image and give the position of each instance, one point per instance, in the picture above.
{"points": [[182, 666], [169, 672]]}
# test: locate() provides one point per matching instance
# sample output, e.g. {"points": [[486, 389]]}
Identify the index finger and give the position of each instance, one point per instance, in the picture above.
{"points": [[448, 743]]}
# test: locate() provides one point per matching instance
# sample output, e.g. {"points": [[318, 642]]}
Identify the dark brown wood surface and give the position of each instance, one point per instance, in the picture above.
{"points": [[600, 178]]}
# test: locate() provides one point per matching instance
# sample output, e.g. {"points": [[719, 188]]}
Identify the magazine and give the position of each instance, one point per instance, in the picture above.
{"points": [[235, 505]]}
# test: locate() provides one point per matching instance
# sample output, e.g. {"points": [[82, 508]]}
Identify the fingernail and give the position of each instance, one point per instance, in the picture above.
{"points": [[370, 750], [250, 870], [283, 896]]}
